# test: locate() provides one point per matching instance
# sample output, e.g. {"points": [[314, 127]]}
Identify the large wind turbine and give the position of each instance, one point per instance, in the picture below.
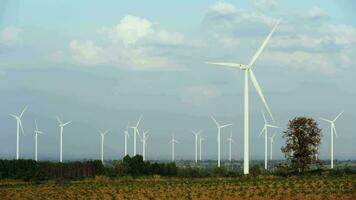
{"points": [[272, 142], [102, 134], [196, 135], [249, 73], [219, 127], [173, 141], [127, 135], [144, 143], [332, 131], [136, 132], [18, 126], [230, 141], [201, 139], [265, 131], [36, 139], [61, 126]]}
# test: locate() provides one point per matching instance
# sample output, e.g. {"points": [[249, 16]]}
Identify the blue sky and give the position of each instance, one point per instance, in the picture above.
{"points": [[104, 64]]}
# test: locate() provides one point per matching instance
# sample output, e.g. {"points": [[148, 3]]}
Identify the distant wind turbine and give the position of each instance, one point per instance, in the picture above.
{"points": [[249, 73], [265, 131], [18, 126], [102, 134], [219, 127], [136, 132], [196, 135], [37, 132], [332, 132], [61, 126], [127, 135], [173, 141], [272, 142], [144, 143], [230, 141], [201, 139]]}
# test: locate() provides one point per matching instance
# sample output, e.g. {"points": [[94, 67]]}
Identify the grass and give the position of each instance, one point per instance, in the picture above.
{"points": [[261, 187]]}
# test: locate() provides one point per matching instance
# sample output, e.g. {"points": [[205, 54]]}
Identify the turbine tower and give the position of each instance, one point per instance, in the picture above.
{"points": [[102, 134], [144, 143], [61, 126], [136, 132], [230, 141], [332, 132], [219, 127], [265, 131], [201, 139], [272, 142], [196, 135], [173, 141], [37, 132], [127, 135], [18, 126], [249, 74]]}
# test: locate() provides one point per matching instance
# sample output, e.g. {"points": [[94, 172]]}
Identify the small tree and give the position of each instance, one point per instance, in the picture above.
{"points": [[302, 140]]}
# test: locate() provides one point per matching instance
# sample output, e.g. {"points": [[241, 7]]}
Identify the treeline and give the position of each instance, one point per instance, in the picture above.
{"points": [[32, 170]]}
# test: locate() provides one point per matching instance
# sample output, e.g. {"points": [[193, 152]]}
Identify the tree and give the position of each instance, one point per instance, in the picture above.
{"points": [[302, 140]]}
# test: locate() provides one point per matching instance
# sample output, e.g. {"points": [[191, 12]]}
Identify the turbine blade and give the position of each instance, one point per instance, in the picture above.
{"points": [[23, 132], [335, 131], [258, 53], [139, 120], [36, 125], [67, 123], [326, 120], [12, 115], [226, 125], [263, 129], [23, 111], [233, 65], [214, 120], [259, 91], [59, 121], [272, 126], [264, 117], [338, 116]]}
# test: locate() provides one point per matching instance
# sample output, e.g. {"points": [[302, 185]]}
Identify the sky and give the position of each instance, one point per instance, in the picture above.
{"points": [[103, 64]]}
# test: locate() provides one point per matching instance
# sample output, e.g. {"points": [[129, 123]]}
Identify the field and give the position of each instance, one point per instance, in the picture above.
{"points": [[263, 187]]}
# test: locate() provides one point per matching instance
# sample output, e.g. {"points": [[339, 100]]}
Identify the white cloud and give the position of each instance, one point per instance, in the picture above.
{"points": [[314, 13], [10, 35], [87, 53], [222, 8], [200, 94], [266, 4]]}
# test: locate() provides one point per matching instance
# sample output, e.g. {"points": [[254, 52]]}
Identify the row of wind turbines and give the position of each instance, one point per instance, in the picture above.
{"points": [[248, 74]]}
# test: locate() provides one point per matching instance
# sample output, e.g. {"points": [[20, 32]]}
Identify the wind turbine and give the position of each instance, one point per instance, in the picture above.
{"points": [[249, 73], [127, 135], [18, 126], [272, 142], [136, 132], [102, 134], [219, 135], [230, 141], [36, 139], [265, 131], [173, 141], [144, 143], [196, 135], [332, 131], [61, 126], [201, 139]]}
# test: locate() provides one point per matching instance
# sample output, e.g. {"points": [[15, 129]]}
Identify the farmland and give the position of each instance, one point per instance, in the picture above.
{"points": [[156, 187]]}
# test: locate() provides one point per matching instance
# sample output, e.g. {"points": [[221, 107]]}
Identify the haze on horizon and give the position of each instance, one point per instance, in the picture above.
{"points": [[102, 65]]}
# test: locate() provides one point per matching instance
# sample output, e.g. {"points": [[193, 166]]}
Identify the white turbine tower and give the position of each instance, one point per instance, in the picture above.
{"points": [[144, 143], [332, 131], [249, 73], [18, 126], [37, 132], [219, 127], [127, 135], [201, 139], [265, 131], [61, 126], [102, 134], [230, 141], [173, 141], [136, 132], [272, 142], [196, 135]]}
